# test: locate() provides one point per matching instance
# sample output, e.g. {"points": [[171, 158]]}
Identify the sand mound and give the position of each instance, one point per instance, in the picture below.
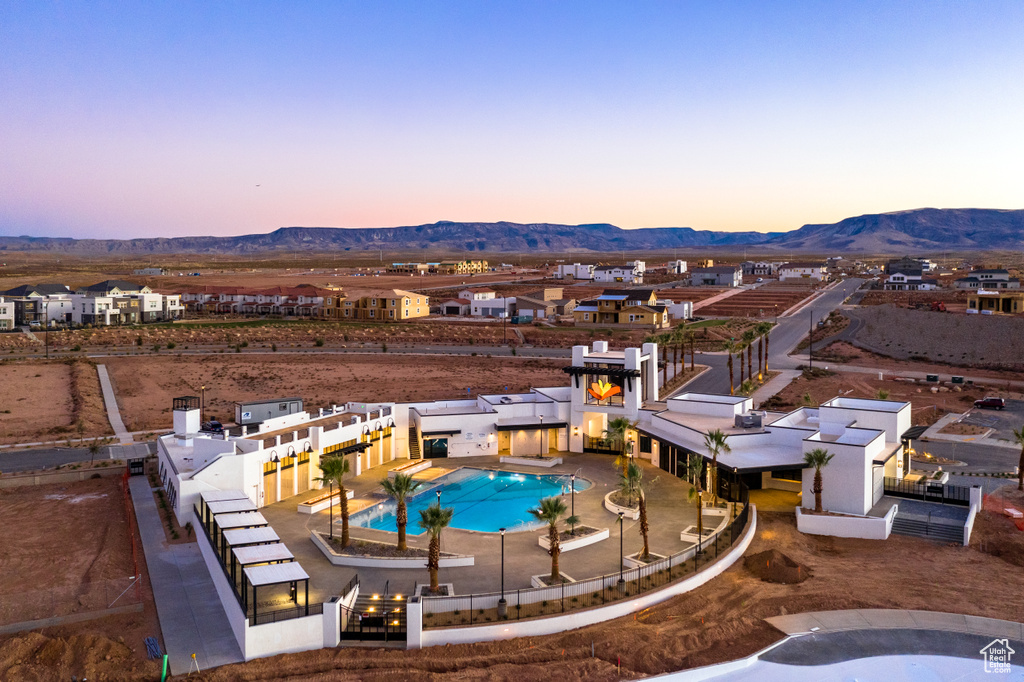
{"points": [[775, 567]]}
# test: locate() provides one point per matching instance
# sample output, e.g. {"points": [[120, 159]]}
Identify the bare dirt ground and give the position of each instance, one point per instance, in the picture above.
{"points": [[955, 299], [766, 301], [721, 621], [844, 353], [50, 400], [926, 407], [983, 341], [146, 385], [67, 550]]}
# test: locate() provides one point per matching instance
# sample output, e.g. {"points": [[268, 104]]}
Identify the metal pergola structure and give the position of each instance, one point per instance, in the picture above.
{"points": [[268, 575], [610, 372]]}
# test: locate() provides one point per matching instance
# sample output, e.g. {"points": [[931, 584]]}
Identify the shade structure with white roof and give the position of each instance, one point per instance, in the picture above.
{"points": [[269, 575], [226, 507], [253, 555]]}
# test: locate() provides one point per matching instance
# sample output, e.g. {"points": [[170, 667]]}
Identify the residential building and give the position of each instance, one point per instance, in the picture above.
{"points": [[988, 279], [455, 306], [478, 294], [907, 262], [304, 300], [625, 274], [575, 271], [909, 279], [35, 302], [676, 267], [6, 315], [384, 305], [704, 263], [408, 269], [678, 310], [625, 308], [717, 276], [763, 268], [461, 267], [797, 270], [989, 301], [494, 306], [113, 287], [103, 311]]}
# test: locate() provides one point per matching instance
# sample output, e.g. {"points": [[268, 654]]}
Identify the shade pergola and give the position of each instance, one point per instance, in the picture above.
{"points": [[226, 507], [226, 522], [290, 574], [253, 555], [242, 537], [210, 496], [611, 372]]}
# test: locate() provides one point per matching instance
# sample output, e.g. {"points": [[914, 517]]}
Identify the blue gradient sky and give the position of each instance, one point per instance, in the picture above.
{"points": [[167, 119]]}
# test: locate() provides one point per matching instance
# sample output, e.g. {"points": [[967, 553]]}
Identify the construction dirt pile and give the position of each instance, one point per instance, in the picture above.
{"points": [[773, 566]]}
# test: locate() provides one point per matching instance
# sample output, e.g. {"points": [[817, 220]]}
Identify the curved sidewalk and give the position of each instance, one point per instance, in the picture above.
{"points": [[820, 622]]}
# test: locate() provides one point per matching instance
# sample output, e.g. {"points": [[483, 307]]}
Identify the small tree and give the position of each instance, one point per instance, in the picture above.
{"points": [[731, 347], [762, 329], [332, 472], [552, 509], [715, 442], [818, 459], [434, 519], [398, 488], [1018, 438], [94, 449], [749, 337], [694, 464], [617, 430], [882, 394], [632, 485]]}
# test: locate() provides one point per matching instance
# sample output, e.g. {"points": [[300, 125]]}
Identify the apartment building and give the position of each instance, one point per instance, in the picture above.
{"points": [[717, 276], [382, 305], [623, 307], [6, 315]]}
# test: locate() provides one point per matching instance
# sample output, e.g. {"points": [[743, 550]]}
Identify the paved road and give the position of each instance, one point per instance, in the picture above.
{"points": [[368, 349], [784, 338], [13, 461]]}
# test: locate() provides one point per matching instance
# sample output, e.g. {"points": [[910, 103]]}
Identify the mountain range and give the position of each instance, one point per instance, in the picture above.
{"points": [[914, 231]]}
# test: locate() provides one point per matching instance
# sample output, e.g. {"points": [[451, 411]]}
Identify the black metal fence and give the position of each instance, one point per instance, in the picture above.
{"points": [[287, 614], [929, 492], [538, 602]]}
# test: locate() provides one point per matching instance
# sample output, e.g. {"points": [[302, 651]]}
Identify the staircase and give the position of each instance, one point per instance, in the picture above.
{"points": [[377, 619], [921, 528], [414, 444]]}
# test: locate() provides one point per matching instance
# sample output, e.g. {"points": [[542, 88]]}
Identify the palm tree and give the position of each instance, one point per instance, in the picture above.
{"points": [[817, 458], [434, 519], [748, 340], [694, 464], [715, 442], [400, 487], [332, 471], [730, 349], [763, 329], [1018, 438], [617, 429], [551, 509], [632, 484]]}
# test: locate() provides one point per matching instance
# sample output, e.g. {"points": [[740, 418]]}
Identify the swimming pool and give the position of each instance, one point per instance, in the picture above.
{"points": [[483, 499]]}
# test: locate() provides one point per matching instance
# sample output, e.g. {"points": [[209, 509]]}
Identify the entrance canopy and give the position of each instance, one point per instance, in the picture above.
{"points": [[528, 424]]}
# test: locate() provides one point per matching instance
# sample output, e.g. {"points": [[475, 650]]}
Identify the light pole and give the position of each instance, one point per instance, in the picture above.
{"points": [[622, 555], [572, 501], [46, 328], [502, 604], [810, 340], [202, 405], [438, 499]]}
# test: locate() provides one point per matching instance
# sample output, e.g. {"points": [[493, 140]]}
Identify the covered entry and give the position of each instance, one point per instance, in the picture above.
{"points": [[530, 436], [435, 443]]}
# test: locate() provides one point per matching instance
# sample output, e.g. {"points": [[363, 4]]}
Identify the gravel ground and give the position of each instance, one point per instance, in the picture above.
{"points": [[977, 340]]}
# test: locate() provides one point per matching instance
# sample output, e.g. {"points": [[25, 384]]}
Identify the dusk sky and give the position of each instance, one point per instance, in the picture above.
{"points": [[168, 119]]}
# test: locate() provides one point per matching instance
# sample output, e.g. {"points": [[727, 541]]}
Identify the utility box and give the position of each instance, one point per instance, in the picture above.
{"points": [[957, 380], [256, 411], [932, 378]]}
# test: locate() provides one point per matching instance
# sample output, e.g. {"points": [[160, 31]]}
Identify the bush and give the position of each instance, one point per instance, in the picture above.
{"points": [[273, 347], [318, 342], [383, 348], [156, 347], [77, 346], [138, 340], [171, 345]]}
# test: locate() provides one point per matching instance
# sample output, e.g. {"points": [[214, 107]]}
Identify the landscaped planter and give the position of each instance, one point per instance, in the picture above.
{"points": [[411, 468], [447, 588], [532, 461], [318, 504], [715, 520], [633, 560], [627, 512], [541, 580], [369, 561], [576, 542]]}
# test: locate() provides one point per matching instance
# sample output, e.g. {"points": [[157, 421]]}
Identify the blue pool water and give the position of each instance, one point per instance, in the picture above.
{"points": [[483, 500]]}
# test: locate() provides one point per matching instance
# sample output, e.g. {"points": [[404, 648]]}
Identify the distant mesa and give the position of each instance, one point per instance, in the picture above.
{"points": [[915, 231]]}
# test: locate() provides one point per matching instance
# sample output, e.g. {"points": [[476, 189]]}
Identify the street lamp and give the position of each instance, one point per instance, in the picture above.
{"points": [[202, 404], [502, 604], [810, 340], [622, 555], [438, 499]]}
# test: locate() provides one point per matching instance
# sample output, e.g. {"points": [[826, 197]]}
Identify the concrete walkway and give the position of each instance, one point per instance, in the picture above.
{"points": [[718, 297], [895, 619], [110, 401], [192, 619], [775, 384]]}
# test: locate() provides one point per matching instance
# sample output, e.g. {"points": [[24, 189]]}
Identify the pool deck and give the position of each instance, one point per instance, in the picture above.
{"points": [[669, 511]]}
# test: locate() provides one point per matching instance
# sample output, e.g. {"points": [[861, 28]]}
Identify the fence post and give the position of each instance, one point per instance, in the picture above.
{"points": [[470, 609], [563, 596], [519, 606]]}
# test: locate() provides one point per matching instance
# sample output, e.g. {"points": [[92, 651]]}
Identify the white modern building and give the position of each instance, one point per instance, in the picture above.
{"points": [[574, 271], [813, 271], [676, 267], [622, 274], [6, 315], [717, 276]]}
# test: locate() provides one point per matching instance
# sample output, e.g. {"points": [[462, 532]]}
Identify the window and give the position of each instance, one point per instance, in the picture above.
{"points": [[371, 313], [586, 317], [391, 314], [373, 301]]}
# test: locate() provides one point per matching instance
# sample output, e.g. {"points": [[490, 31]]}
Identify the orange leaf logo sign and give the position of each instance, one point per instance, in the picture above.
{"points": [[601, 390]]}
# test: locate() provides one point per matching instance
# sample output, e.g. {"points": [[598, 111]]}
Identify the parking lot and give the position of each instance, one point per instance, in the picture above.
{"points": [[1003, 421]]}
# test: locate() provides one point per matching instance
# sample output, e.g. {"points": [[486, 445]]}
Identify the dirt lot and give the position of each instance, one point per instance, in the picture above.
{"points": [[955, 299], [146, 385], [66, 550], [844, 353], [926, 407], [720, 621], [766, 301], [963, 340], [50, 400]]}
